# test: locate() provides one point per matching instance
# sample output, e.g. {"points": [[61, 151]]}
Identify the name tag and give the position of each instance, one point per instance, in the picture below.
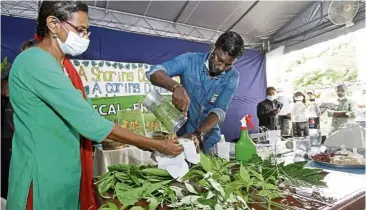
{"points": [[214, 98]]}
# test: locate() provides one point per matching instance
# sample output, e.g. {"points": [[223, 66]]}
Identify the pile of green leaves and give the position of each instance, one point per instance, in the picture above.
{"points": [[224, 188], [294, 174], [214, 183], [131, 183]]}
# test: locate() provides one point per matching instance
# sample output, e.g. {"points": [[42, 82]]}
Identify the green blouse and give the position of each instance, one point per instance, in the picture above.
{"points": [[49, 116]]}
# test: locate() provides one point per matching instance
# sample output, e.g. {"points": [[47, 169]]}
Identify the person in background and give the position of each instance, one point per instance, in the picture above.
{"points": [[7, 125], [343, 111], [361, 108], [284, 116], [311, 95], [28, 44], [268, 110], [299, 96], [299, 115], [209, 81], [52, 164], [312, 103]]}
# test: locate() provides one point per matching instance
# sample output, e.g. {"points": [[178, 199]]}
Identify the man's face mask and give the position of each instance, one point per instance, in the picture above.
{"points": [[341, 93], [311, 97]]}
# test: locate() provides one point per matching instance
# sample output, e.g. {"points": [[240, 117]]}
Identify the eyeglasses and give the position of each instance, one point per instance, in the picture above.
{"points": [[84, 32]]}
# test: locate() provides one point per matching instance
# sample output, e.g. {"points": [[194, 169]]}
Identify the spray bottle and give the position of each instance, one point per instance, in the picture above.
{"points": [[245, 147]]}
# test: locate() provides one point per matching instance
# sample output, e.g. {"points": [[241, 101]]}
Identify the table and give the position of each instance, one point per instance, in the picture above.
{"points": [[348, 189], [128, 155], [346, 186]]}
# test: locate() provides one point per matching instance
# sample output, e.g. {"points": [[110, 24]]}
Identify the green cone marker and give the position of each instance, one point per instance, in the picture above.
{"points": [[245, 147]]}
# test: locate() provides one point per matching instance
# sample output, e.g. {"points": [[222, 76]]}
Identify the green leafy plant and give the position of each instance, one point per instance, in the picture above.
{"points": [[4, 64], [131, 183], [292, 174]]}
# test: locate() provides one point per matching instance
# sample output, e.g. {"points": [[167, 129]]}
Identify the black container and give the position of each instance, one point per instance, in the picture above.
{"points": [[300, 129]]}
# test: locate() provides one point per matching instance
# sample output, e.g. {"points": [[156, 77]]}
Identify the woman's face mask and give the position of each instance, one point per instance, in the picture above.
{"points": [[75, 44], [298, 98]]}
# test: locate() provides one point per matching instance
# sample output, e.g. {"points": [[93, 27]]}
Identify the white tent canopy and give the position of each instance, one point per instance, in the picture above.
{"points": [[263, 24]]}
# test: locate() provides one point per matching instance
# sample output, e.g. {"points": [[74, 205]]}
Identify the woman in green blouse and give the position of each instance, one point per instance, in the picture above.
{"points": [[51, 115]]}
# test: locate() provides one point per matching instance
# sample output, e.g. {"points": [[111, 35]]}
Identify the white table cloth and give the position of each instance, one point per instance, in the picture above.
{"points": [[129, 155]]}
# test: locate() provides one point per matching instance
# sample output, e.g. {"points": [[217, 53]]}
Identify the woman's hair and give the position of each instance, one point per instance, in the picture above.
{"points": [[60, 9], [299, 93], [28, 44]]}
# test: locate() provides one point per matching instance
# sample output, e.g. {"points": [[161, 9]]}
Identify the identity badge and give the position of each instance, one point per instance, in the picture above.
{"points": [[214, 98]]}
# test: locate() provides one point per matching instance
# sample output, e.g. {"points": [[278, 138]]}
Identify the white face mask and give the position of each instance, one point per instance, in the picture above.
{"points": [[271, 98], [299, 98], [74, 44]]}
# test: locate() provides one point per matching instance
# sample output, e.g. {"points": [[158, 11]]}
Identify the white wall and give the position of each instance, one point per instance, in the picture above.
{"points": [[273, 65], [361, 54]]}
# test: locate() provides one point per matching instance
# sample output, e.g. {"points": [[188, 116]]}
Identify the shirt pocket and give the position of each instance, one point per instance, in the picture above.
{"points": [[215, 93], [195, 87]]}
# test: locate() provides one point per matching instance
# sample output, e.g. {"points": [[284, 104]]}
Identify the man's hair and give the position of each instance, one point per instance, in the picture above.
{"points": [[232, 43], [310, 91], [341, 86], [270, 88]]}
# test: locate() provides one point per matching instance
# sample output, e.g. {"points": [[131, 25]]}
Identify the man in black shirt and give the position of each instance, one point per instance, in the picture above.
{"points": [[268, 110]]}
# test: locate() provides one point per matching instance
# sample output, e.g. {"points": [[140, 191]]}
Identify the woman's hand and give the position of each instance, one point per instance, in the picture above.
{"points": [[123, 135], [170, 147]]}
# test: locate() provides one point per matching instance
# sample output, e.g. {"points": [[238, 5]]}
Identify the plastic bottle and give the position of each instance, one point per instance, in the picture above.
{"points": [[314, 124], [245, 148]]}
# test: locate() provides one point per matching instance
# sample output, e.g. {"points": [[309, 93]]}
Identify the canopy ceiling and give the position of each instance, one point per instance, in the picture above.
{"points": [[294, 24]]}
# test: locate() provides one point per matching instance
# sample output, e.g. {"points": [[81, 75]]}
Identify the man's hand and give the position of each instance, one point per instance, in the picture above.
{"points": [[180, 99], [275, 111], [196, 139], [339, 114]]}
